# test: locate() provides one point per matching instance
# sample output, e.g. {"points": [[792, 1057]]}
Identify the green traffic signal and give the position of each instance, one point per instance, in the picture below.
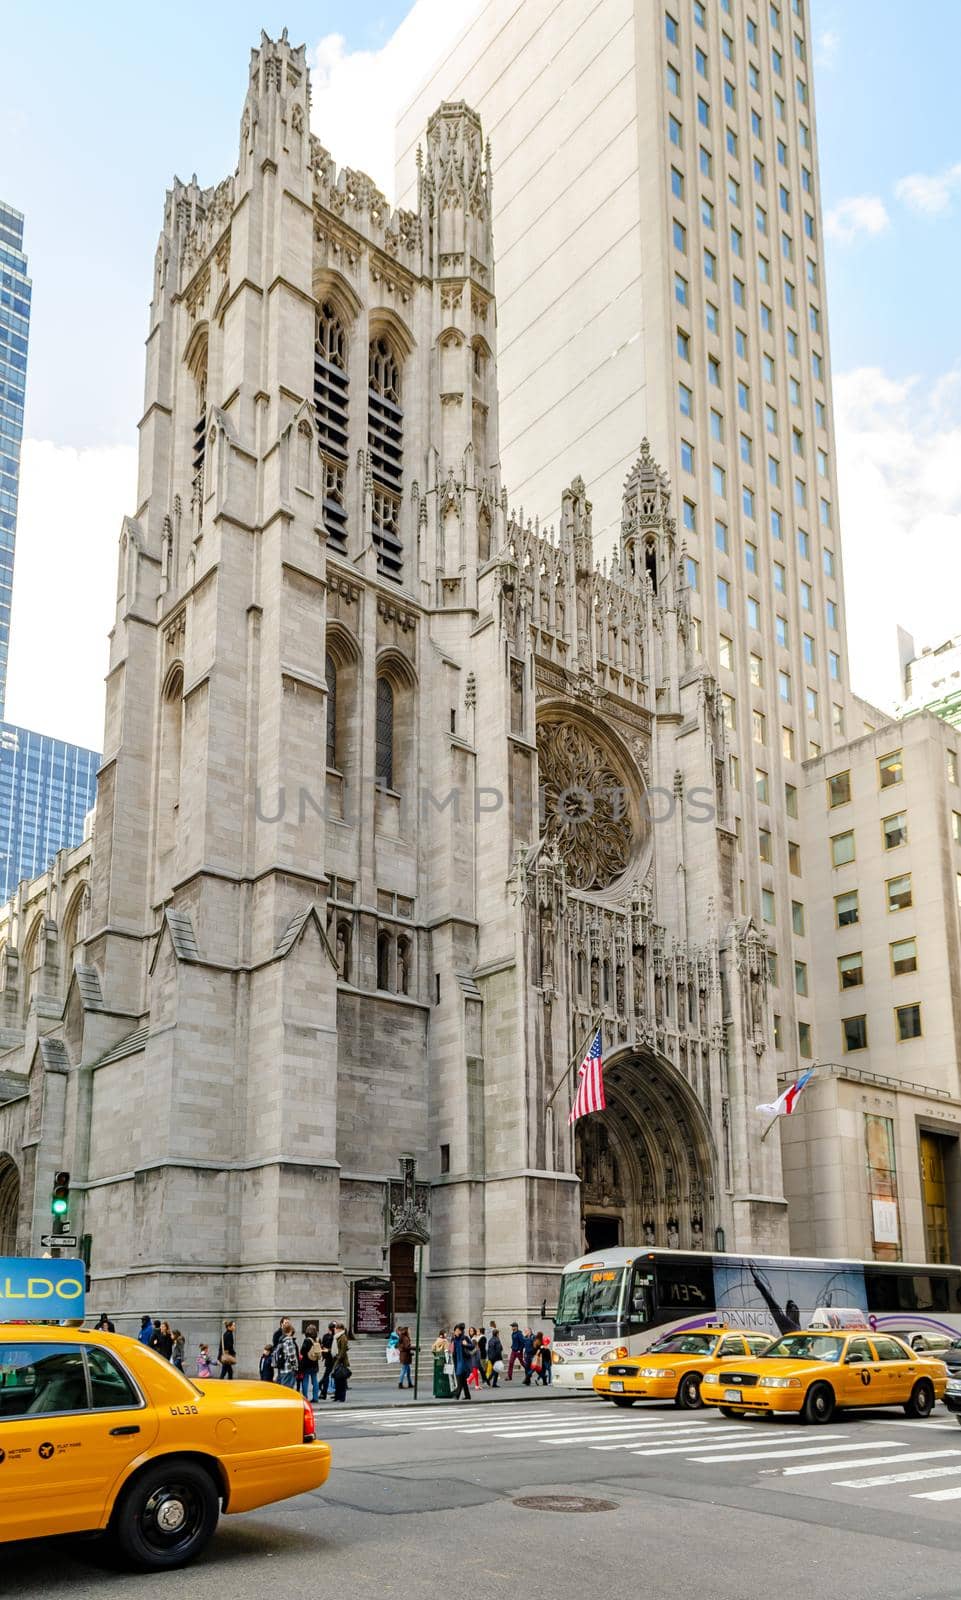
{"points": [[60, 1198]]}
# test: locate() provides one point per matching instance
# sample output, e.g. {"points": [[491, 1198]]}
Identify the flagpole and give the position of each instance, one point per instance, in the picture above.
{"points": [[771, 1124], [576, 1059]]}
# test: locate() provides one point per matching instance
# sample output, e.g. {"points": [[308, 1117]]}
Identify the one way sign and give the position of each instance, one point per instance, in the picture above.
{"points": [[61, 1241]]}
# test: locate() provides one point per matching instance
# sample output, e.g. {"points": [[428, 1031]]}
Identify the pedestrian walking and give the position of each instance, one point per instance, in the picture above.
{"points": [[547, 1362], [162, 1340], [310, 1358], [104, 1325], [227, 1354], [340, 1371], [527, 1356], [462, 1350], [146, 1331], [495, 1355], [266, 1364], [179, 1350], [517, 1351], [405, 1350], [443, 1366], [482, 1365], [285, 1356], [327, 1357], [205, 1366]]}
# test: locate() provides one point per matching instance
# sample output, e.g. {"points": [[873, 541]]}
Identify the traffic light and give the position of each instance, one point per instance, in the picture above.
{"points": [[60, 1198]]}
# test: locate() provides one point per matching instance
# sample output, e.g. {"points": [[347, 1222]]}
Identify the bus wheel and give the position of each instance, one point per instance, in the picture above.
{"points": [[689, 1392], [819, 1403], [921, 1403], [621, 1400], [729, 1411]]}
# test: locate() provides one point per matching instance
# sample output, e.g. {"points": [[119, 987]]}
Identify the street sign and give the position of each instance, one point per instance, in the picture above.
{"points": [[66, 1241], [32, 1288]]}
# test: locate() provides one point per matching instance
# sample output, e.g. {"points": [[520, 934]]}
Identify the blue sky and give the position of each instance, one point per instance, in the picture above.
{"points": [[94, 123]]}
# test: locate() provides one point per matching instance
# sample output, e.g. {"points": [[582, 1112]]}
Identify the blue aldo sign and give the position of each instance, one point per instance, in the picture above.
{"points": [[41, 1290]]}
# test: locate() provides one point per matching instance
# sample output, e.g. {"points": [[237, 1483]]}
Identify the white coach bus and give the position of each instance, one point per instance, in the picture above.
{"points": [[614, 1303]]}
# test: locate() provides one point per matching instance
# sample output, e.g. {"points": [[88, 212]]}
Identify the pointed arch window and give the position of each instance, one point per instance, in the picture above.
{"points": [[383, 960], [384, 732], [330, 409], [385, 443], [331, 675]]}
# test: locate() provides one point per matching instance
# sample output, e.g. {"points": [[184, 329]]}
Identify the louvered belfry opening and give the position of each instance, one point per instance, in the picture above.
{"points": [[385, 441], [200, 443], [384, 733], [330, 408]]}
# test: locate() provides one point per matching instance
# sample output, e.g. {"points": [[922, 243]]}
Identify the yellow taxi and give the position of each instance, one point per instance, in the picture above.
{"points": [[673, 1367], [815, 1373], [98, 1433]]}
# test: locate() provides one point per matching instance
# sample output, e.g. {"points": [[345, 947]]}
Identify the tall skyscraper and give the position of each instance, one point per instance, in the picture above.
{"points": [[46, 789], [14, 336], [657, 229], [46, 786]]}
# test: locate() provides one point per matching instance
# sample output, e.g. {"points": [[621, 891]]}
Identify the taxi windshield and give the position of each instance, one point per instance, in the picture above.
{"points": [[684, 1344], [804, 1347]]}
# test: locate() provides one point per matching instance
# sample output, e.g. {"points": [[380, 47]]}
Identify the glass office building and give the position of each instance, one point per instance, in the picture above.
{"points": [[46, 789], [14, 333]]}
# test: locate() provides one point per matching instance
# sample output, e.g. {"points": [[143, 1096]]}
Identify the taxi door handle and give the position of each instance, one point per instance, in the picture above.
{"points": [[133, 1427]]}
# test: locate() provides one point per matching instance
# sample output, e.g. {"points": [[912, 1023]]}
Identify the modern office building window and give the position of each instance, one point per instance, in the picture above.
{"points": [[854, 1033], [794, 858], [839, 789], [726, 651], [851, 970], [784, 686], [894, 830], [797, 918], [804, 1045], [790, 799], [781, 631], [847, 911], [898, 892], [842, 848], [904, 957], [680, 289], [767, 906], [687, 456], [890, 769], [717, 426], [800, 977], [711, 317], [907, 1021], [765, 847], [761, 789], [720, 535], [756, 669]]}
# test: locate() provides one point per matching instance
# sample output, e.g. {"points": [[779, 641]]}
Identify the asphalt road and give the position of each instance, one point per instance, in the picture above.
{"points": [[424, 1504]]}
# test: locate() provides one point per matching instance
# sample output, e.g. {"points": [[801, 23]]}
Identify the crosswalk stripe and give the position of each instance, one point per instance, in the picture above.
{"points": [[722, 1438], [898, 1477], [518, 1430], [939, 1494], [870, 1461], [795, 1450]]}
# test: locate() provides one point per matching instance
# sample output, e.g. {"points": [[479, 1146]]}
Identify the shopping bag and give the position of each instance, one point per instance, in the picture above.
{"points": [[498, 1366], [449, 1367], [393, 1355]]}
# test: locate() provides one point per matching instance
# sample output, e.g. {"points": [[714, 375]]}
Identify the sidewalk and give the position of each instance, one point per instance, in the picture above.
{"points": [[379, 1394]]}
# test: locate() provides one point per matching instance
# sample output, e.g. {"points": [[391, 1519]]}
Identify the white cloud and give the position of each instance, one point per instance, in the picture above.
{"points": [[863, 213], [65, 584], [930, 193], [358, 94], [827, 48], [899, 470]]}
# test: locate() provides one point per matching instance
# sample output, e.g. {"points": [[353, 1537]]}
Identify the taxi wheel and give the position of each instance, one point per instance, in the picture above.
{"points": [[689, 1392], [819, 1403], [621, 1400], [921, 1403], [166, 1516]]}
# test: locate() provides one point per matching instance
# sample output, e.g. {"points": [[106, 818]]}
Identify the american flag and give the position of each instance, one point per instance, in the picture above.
{"points": [[590, 1083]]}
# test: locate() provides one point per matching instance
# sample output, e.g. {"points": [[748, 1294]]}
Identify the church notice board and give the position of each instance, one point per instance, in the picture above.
{"points": [[370, 1307]]}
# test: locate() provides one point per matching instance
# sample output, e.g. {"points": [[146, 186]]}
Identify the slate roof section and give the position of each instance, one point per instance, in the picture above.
{"points": [[182, 934], [127, 1046], [88, 982]]}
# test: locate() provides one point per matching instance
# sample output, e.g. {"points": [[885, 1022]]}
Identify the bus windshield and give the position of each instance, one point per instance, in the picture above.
{"points": [[591, 1296]]}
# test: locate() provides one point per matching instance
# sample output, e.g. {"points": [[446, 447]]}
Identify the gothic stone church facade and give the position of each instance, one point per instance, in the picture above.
{"points": [[400, 794]]}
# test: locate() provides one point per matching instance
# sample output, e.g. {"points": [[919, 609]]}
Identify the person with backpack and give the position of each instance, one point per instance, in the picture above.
{"points": [[286, 1356], [205, 1365], [310, 1359]]}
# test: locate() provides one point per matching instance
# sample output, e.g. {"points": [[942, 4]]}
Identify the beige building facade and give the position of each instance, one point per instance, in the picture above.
{"points": [[873, 1167], [402, 796]]}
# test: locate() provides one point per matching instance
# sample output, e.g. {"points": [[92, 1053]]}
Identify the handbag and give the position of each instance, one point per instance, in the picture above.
{"points": [[498, 1366], [449, 1367], [393, 1355]]}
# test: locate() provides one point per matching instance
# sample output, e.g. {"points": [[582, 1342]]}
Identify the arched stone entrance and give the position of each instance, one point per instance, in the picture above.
{"points": [[9, 1205], [647, 1164]]}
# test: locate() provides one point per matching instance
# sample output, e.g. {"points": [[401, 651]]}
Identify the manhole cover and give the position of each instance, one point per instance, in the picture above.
{"points": [[562, 1502]]}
